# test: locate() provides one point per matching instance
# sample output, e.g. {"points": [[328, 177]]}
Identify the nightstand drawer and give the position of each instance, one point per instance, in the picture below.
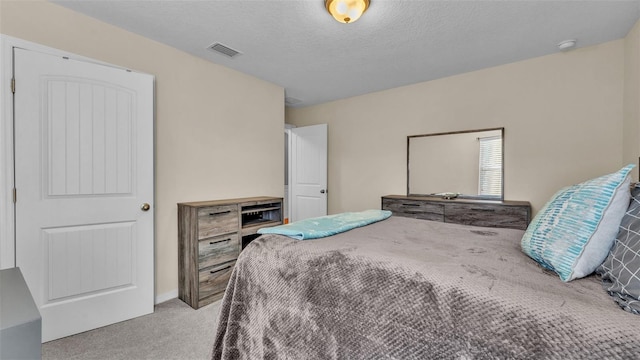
{"points": [[217, 250], [513, 217], [213, 280], [414, 209], [217, 220]]}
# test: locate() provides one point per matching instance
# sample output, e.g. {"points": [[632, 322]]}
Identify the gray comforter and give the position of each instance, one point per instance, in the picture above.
{"points": [[414, 289]]}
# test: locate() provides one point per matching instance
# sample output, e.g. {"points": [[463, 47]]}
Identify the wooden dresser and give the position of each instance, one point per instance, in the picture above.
{"points": [[503, 214], [211, 235]]}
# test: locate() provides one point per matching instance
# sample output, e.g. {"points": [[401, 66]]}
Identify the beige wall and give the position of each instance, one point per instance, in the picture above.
{"points": [[562, 116], [219, 133], [631, 125], [444, 163]]}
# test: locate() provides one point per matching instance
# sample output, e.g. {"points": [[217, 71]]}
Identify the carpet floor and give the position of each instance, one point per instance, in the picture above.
{"points": [[173, 331]]}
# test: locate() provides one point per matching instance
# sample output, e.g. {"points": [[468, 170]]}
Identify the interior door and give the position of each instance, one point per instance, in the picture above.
{"points": [[308, 172], [84, 180]]}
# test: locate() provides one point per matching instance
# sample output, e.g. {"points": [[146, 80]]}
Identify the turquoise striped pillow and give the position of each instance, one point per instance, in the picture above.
{"points": [[574, 231]]}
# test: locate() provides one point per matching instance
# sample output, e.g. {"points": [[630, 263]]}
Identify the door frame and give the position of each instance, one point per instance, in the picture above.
{"points": [[7, 176], [287, 195]]}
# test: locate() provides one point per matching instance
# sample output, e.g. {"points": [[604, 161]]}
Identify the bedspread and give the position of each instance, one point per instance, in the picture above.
{"points": [[413, 289]]}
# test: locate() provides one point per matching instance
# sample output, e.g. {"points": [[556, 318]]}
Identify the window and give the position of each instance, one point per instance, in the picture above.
{"points": [[490, 178]]}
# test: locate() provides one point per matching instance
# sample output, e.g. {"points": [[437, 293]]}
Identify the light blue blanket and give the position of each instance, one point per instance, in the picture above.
{"points": [[327, 225]]}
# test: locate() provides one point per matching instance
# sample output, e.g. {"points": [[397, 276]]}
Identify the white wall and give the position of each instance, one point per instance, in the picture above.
{"points": [[631, 125], [562, 116], [219, 133]]}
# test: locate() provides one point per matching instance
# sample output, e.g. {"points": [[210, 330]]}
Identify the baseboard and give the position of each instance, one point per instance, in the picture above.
{"points": [[160, 298]]}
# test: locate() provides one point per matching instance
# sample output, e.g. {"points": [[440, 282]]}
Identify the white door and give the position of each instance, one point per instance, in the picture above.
{"points": [[83, 170], [308, 172]]}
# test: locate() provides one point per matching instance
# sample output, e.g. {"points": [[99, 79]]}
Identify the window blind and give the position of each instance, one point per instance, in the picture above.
{"points": [[490, 181]]}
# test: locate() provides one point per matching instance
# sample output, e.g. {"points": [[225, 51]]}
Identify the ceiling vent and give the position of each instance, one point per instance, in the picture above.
{"points": [[292, 101], [224, 50]]}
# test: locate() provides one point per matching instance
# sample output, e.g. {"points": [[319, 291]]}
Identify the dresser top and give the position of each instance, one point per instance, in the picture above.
{"points": [[231, 201], [458, 200]]}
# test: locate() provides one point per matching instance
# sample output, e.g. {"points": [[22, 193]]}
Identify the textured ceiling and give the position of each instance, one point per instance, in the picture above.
{"points": [[299, 46]]}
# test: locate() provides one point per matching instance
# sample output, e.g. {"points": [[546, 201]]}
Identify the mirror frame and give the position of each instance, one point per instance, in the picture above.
{"points": [[462, 196]]}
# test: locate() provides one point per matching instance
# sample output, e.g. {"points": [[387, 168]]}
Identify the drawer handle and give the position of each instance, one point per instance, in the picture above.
{"points": [[483, 209], [219, 241], [223, 269], [219, 213], [410, 204]]}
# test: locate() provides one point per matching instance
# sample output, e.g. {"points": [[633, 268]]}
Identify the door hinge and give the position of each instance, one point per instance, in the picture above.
{"points": [[13, 85], [15, 195]]}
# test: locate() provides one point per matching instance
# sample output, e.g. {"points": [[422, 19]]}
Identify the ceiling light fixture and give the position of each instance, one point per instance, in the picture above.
{"points": [[346, 11]]}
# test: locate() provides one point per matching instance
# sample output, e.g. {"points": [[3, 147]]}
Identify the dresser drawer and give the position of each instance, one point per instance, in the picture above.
{"points": [[213, 280], [217, 250], [514, 217], [414, 209], [217, 220]]}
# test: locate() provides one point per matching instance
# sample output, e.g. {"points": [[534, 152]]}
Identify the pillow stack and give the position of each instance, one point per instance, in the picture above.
{"points": [[621, 270], [575, 230]]}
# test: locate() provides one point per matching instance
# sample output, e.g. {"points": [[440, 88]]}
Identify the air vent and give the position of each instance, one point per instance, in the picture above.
{"points": [[292, 101], [224, 50]]}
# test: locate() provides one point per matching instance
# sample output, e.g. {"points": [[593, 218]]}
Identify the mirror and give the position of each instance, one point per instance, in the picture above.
{"points": [[465, 164]]}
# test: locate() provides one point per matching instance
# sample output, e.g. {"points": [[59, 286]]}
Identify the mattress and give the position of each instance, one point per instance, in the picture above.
{"points": [[413, 289]]}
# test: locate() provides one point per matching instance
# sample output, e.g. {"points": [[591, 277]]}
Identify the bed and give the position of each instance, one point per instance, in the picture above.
{"points": [[414, 289]]}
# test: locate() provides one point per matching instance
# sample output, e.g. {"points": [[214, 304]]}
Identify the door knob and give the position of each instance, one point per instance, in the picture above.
{"points": [[323, 191], [145, 207]]}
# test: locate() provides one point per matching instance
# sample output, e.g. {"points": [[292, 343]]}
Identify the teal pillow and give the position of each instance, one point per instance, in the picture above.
{"points": [[575, 230]]}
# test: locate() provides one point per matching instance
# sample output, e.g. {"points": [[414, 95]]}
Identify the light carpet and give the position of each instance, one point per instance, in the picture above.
{"points": [[173, 331]]}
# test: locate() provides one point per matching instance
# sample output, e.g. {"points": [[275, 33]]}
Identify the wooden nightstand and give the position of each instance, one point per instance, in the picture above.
{"points": [[211, 235]]}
